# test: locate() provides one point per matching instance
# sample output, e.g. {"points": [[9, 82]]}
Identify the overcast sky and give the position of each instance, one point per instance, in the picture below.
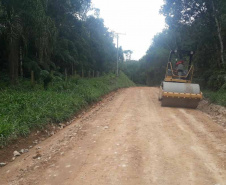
{"points": [[139, 19]]}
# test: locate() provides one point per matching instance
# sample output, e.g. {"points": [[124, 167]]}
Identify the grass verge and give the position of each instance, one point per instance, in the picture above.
{"points": [[23, 109], [218, 97]]}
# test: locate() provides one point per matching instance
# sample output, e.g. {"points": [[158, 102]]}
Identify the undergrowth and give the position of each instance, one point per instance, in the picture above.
{"points": [[25, 108], [217, 97]]}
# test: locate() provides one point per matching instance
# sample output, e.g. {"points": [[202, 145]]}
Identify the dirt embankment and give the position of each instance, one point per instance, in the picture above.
{"points": [[128, 138], [216, 112]]}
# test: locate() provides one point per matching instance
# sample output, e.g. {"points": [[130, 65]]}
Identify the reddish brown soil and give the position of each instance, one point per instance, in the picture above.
{"points": [[6, 153], [127, 139]]}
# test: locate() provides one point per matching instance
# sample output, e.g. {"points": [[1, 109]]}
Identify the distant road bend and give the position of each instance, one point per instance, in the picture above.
{"points": [[127, 139]]}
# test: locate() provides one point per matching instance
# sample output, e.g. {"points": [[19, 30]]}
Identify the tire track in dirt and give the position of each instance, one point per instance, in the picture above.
{"points": [[128, 139]]}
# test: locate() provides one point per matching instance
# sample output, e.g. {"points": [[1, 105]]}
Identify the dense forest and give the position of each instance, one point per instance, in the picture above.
{"points": [[57, 37], [194, 25]]}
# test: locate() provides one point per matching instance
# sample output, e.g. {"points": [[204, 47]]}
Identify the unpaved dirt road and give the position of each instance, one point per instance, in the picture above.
{"points": [[128, 139]]}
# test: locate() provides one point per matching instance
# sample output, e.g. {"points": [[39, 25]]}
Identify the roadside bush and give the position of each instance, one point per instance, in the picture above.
{"points": [[46, 77], [215, 82], [223, 88], [218, 97]]}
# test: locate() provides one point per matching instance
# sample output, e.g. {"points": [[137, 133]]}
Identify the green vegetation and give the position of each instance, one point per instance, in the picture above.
{"points": [[132, 69], [53, 36], [193, 25], [26, 107], [52, 43], [198, 26], [218, 97]]}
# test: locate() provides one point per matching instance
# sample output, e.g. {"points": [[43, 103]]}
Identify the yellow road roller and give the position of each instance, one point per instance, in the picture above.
{"points": [[177, 89]]}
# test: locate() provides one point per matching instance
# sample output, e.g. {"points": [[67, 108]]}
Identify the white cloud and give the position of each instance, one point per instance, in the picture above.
{"points": [[139, 19]]}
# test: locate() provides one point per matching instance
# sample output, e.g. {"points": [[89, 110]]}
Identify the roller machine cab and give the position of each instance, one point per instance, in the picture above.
{"points": [[177, 89]]}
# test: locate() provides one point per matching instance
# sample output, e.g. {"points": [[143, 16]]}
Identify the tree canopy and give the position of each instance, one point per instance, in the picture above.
{"points": [[196, 25], [52, 35]]}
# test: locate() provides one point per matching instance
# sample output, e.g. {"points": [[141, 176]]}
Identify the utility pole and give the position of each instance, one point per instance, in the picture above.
{"points": [[117, 36]]}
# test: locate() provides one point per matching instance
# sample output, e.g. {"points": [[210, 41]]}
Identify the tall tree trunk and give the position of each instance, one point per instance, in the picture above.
{"points": [[82, 72], [21, 63], [72, 69], [218, 32], [13, 60], [65, 73]]}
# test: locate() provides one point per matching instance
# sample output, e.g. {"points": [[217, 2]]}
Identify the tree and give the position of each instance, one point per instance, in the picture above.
{"points": [[12, 29], [197, 25], [208, 12], [121, 54], [128, 54], [53, 35]]}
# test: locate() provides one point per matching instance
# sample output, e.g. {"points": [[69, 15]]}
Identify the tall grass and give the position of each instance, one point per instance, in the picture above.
{"points": [[218, 97], [25, 108]]}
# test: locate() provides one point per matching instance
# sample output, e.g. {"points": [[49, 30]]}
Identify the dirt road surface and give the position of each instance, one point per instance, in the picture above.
{"points": [[127, 139]]}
